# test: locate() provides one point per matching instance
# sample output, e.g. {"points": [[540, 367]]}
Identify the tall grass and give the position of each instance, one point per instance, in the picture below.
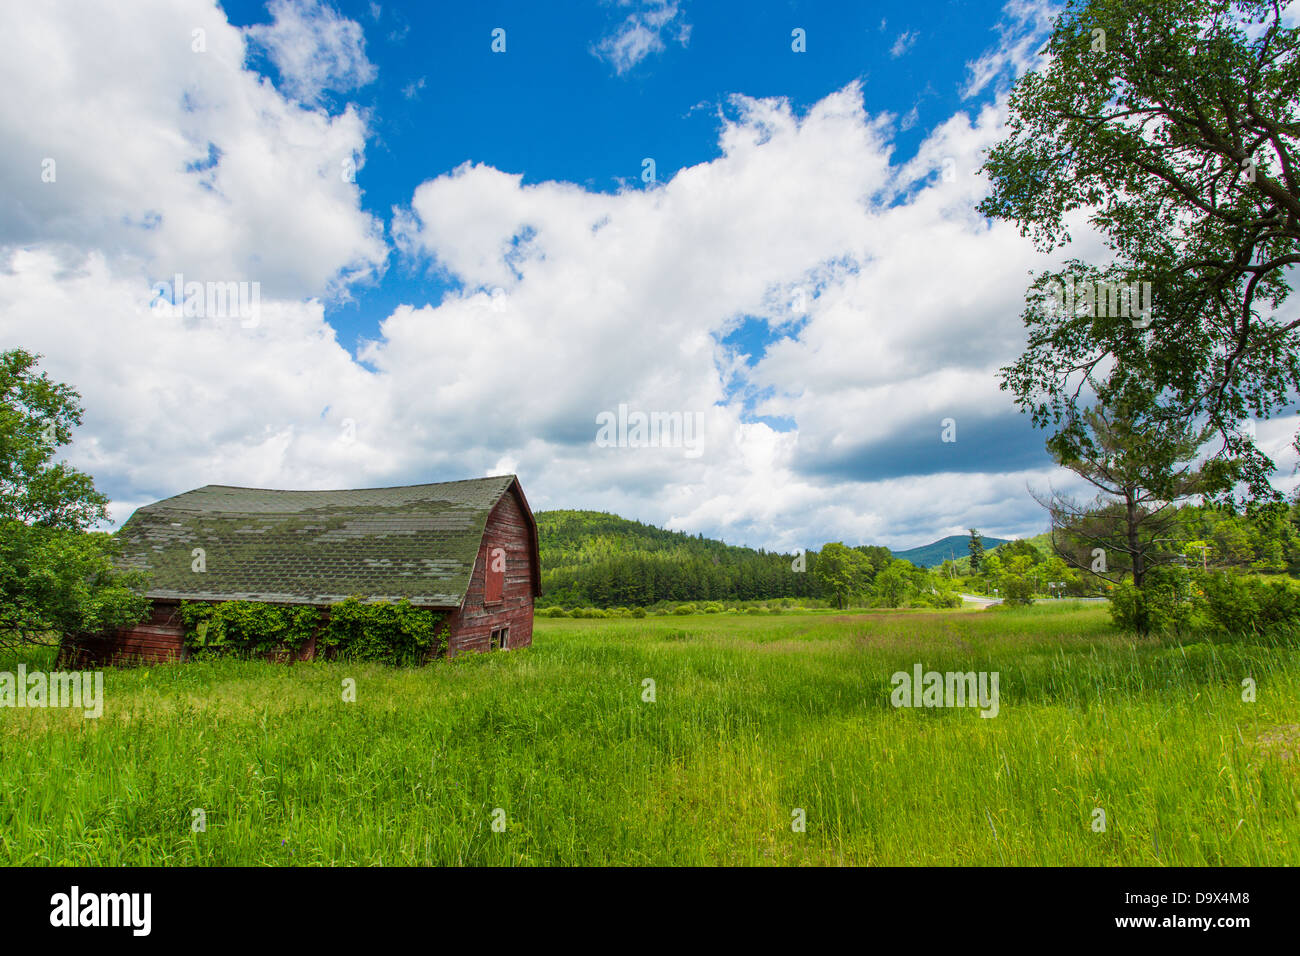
{"points": [[753, 720]]}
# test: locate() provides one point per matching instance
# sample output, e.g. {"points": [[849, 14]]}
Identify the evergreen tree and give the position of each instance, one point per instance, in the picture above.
{"points": [[976, 547]]}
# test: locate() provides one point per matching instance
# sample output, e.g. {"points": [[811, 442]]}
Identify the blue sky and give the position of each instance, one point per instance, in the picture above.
{"points": [[551, 108], [447, 262]]}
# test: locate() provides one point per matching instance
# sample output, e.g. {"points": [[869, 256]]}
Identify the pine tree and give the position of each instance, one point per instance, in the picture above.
{"points": [[976, 547]]}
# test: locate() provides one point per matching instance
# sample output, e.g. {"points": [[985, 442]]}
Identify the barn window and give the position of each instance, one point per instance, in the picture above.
{"points": [[500, 640], [494, 576]]}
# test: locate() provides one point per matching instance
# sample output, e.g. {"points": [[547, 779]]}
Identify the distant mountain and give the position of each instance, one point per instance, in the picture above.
{"points": [[955, 545]]}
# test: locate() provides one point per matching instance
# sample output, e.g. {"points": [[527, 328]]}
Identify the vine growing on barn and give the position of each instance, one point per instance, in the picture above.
{"points": [[385, 632]]}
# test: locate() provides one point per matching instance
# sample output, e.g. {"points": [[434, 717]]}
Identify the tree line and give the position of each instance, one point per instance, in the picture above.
{"points": [[602, 560]]}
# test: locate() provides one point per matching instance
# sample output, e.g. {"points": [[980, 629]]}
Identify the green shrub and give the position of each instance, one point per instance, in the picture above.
{"points": [[713, 607], [1249, 605], [1163, 604], [638, 612], [356, 630], [379, 631], [684, 609], [753, 610], [942, 599], [246, 627], [1017, 589]]}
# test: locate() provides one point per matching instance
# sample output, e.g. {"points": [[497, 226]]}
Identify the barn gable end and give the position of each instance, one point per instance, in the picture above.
{"points": [[510, 528]]}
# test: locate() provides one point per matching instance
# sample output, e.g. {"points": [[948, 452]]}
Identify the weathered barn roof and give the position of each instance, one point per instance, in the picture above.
{"points": [[417, 542]]}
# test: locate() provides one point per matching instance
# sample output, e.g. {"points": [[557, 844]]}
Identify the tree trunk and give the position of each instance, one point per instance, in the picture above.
{"points": [[1135, 553]]}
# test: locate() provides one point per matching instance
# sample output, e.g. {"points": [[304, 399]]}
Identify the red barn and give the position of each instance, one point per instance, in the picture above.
{"points": [[468, 548]]}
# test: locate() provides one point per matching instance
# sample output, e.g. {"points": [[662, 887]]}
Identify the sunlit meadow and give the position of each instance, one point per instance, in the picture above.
{"points": [[756, 723]]}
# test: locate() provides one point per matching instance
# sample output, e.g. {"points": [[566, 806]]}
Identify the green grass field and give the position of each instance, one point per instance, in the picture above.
{"points": [[754, 718]]}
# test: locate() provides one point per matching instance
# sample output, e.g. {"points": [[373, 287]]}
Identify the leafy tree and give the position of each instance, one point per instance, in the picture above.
{"points": [[991, 572], [56, 578], [1056, 571], [1016, 581], [877, 559], [894, 583], [1265, 538], [843, 572], [1173, 126], [1021, 548]]}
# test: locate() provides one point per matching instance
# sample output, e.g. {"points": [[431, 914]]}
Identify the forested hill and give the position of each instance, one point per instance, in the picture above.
{"points": [[602, 559], [953, 547]]}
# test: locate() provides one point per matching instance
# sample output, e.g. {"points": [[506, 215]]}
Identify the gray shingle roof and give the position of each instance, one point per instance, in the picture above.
{"points": [[417, 542]]}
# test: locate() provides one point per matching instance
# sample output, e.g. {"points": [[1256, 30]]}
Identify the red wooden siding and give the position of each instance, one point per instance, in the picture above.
{"points": [[160, 637], [508, 528]]}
